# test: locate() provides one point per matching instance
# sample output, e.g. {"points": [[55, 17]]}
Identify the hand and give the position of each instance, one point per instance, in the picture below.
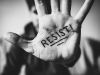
{"points": [[59, 34]]}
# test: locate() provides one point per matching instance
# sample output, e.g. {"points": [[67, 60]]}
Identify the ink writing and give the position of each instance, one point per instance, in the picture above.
{"points": [[57, 37]]}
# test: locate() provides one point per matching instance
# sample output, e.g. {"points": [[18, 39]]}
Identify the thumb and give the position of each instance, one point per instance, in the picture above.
{"points": [[19, 41]]}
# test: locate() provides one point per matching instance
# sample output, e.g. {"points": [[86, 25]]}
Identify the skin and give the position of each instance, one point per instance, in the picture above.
{"points": [[51, 23]]}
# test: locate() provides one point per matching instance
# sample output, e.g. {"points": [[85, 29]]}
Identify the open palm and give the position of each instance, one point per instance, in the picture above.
{"points": [[59, 33]]}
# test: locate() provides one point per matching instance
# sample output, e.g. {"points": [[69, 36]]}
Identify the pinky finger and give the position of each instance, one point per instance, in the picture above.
{"points": [[84, 10]]}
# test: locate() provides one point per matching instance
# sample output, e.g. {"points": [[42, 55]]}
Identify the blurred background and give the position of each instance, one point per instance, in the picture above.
{"points": [[14, 15]]}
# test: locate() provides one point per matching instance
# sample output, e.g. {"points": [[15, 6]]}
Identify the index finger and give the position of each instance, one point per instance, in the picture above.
{"points": [[41, 8], [84, 10]]}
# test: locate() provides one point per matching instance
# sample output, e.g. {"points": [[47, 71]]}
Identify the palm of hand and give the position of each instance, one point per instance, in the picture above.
{"points": [[58, 37]]}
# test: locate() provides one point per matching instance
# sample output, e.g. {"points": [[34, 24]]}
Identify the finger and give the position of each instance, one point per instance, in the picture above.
{"points": [[17, 40], [84, 10], [66, 6], [40, 6], [54, 6]]}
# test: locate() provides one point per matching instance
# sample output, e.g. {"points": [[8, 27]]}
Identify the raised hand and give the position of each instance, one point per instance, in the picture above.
{"points": [[59, 34]]}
